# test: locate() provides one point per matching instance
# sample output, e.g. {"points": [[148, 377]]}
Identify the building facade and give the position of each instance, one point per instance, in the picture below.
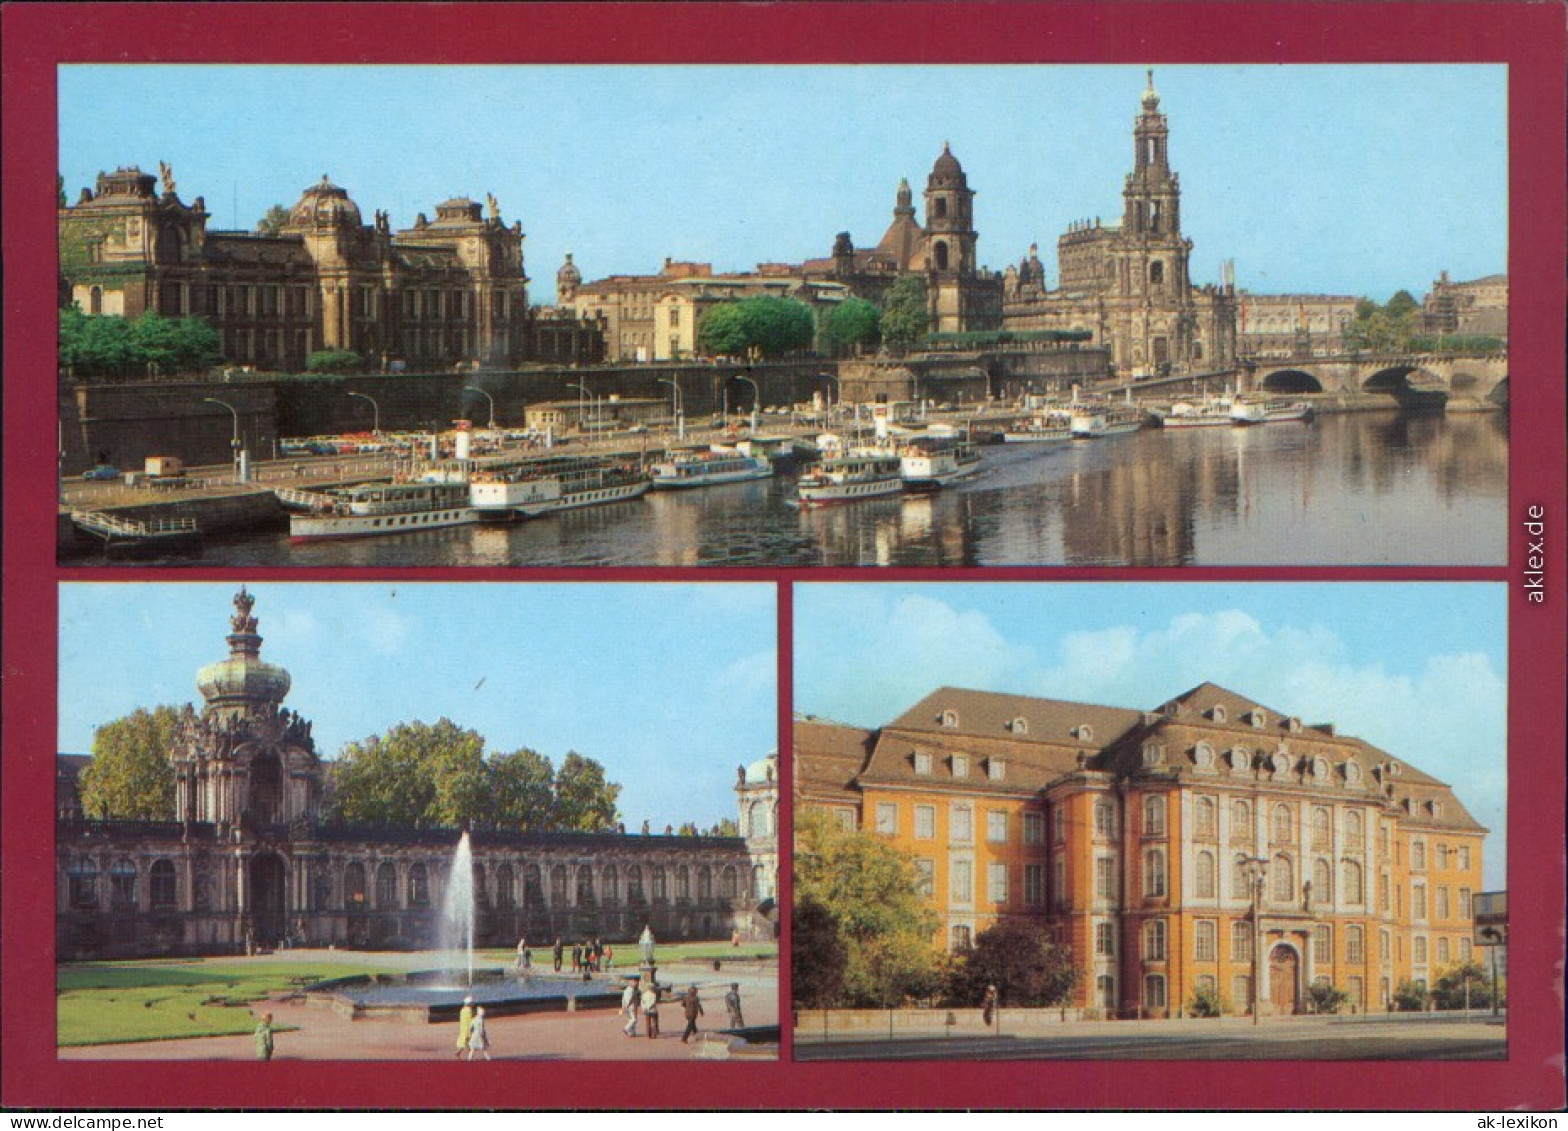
{"points": [[1294, 326], [444, 292], [246, 859], [1477, 308], [1129, 284], [1212, 844]]}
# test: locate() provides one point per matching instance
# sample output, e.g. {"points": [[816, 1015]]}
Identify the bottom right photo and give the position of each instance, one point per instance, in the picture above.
{"points": [[1068, 820]]}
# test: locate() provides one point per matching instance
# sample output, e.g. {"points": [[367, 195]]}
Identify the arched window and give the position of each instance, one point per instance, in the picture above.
{"points": [[759, 821], [386, 885], [1203, 811], [612, 885], [162, 886], [941, 207], [704, 884], [1282, 825], [1282, 880], [481, 885], [1104, 818], [1355, 945], [122, 884], [584, 886], [1322, 881], [634, 892], [941, 253], [1205, 941], [1355, 829], [1154, 873], [1354, 891], [729, 882], [1154, 992], [558, 885], [658, 890], [95, 301], [418, 886], [1157, 269], [1204, 879], [1154, 940], [1241, 821], [1240, 879], [505, 887], [1154, 816], [533, 886], [1321, 833], [682, 882], [82, 882], [354, 887], [760, 887]]}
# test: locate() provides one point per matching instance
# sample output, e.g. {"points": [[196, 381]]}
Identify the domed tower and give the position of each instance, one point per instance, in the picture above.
{"points": [[344, 251], [245, 759], [757, 787], [567, 280], [950, 234]]}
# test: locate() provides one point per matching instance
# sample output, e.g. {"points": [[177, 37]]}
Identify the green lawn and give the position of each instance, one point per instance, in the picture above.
{"points": [[627, 956], [113, 1002]]}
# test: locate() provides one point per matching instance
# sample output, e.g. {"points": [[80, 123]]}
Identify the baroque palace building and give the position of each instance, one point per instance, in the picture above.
{"points": [[1212, 843], [1129, 284], [247, 859], [445, 291]]}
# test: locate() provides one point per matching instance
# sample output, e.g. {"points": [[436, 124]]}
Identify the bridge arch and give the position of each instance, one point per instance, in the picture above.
{"points": [[1291, 381], [1404, 378]]}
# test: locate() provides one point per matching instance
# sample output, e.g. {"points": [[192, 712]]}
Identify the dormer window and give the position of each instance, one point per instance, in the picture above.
{"points": [[1352, 772], [1280, 763], [1203, 756], [1153, 753], [1217, 713], [1320, 769], [1257, 718], [960, 766], [1435, 808], [1083, 732], [950, 720], [1293, 725], [996, 769], [922, 762], [1238, 759], [1019, 725]]}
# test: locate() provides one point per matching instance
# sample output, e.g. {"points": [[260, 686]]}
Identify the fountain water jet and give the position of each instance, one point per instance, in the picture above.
{"points": [[457, 910]]}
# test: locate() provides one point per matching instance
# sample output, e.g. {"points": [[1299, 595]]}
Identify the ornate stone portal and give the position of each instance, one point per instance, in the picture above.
{"points": [[247, 860]]}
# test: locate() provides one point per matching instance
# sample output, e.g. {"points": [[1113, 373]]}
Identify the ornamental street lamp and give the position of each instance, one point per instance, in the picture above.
{"points": [[1257, 873], [488, 397], [680, 408], [756, 397], [240, 462], [593, 401], [375, 427]]}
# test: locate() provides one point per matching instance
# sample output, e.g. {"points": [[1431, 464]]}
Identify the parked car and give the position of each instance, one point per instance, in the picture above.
{"points": [[102, 471]]}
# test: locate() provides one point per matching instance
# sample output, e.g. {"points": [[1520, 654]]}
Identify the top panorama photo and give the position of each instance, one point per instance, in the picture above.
{"points": [[783, 316]]}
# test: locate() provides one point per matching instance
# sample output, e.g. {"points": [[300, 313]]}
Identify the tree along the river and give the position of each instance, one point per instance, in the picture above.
{"points": [[764, 326], [853, 324], [106, 345], [904, 320]]}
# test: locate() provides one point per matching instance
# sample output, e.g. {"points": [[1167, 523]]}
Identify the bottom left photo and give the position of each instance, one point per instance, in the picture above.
{"points": [[344, 821]]}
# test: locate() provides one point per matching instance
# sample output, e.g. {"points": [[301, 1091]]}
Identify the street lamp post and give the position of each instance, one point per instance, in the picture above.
{"points": [[240, 475], [375, 427], [756, 400], [592, 400], [831, 392], [1257, 874], [680, 408], [488, 397]]}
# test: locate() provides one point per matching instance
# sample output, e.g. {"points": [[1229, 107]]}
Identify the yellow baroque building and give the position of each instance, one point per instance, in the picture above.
{"points": [[1211, 844]]}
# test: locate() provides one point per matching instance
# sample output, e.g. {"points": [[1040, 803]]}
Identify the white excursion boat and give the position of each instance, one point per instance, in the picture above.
{"points": [[850, 477], [1093, 422], [1204, 414], [928, 463], [385, 508], [549, 485], [1053, 427], [707, 469], [1259, 410]]}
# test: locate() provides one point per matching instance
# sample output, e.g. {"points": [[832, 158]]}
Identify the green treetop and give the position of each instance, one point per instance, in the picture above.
{"points": [[130, 777]]}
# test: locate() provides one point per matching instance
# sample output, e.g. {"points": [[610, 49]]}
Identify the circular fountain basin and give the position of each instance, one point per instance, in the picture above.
{"points": [[428, 996]]}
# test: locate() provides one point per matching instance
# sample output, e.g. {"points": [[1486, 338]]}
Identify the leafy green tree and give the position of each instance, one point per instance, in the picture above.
{"points": [[272, 222], [765, 325], [584, 798], [817, 955], [1324, 997], [1448, 991], [904, 320], [1020, 958], [726, 826], [1384, 329], [174, 344], [130, 776], [334, 361], [395, 778], [96, 344], [854, 324], [1410, 997], [871, 892], [521, 784], [1206, 1002]]}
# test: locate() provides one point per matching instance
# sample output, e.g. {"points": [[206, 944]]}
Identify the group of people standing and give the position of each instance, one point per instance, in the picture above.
{"points": [[644, 999], [588, 957]]}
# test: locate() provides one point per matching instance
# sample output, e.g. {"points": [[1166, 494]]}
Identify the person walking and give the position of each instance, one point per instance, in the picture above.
{"points": [[264, 1037], [650, 1009], [522, 951], [691, 1004], [558, 952], [629, 1007], [732, 1006], [988, 1006], [478, 1035], [465, 1021]]}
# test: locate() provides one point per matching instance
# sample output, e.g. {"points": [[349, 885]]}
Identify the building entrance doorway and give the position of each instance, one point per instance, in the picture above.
{"points": [[1284, 967], [268, 899]]}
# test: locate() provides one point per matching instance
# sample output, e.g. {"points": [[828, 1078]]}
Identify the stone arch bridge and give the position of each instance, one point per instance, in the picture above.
{"points": [[1482, 375]]}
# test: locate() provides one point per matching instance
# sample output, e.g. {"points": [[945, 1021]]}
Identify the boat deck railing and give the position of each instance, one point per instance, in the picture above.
{"points": [[109, 527], [299, 497]]}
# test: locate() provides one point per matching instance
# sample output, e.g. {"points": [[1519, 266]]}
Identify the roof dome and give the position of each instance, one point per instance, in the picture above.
{"points": [[244, 679], [947, 170], [568, 272], [1151, 97], [324, 205], [764, 770]]}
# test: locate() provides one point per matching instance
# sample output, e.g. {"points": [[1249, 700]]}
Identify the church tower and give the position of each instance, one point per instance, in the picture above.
{"points": [[959, 298]]}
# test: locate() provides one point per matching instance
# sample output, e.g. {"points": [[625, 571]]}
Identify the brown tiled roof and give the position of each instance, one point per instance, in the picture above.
{"points": [[829, 756], [990, 715]]}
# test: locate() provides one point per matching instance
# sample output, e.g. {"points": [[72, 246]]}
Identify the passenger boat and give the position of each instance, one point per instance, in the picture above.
{"points": [[1204, 414], [385, 508], [1093, 422], [545, 486], [1257, 410], [848, 478], [1052, 427], [928, 463], [708, 469]]}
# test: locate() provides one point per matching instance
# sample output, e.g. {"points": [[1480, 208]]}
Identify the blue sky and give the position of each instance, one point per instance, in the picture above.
{"points": [[1313, 178], [1418, 669], [670, 686]]}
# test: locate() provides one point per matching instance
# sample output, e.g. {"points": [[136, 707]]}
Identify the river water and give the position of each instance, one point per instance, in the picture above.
{"points": [[1365, 489]]}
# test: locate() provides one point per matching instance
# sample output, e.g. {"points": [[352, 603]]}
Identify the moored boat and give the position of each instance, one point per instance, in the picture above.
{"points": [[708, 469], [848, 478], [1052, 427], [385, 508], [545, 486], [1093, 422], [1204, 414], [928, 463], [1259, 410]]}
